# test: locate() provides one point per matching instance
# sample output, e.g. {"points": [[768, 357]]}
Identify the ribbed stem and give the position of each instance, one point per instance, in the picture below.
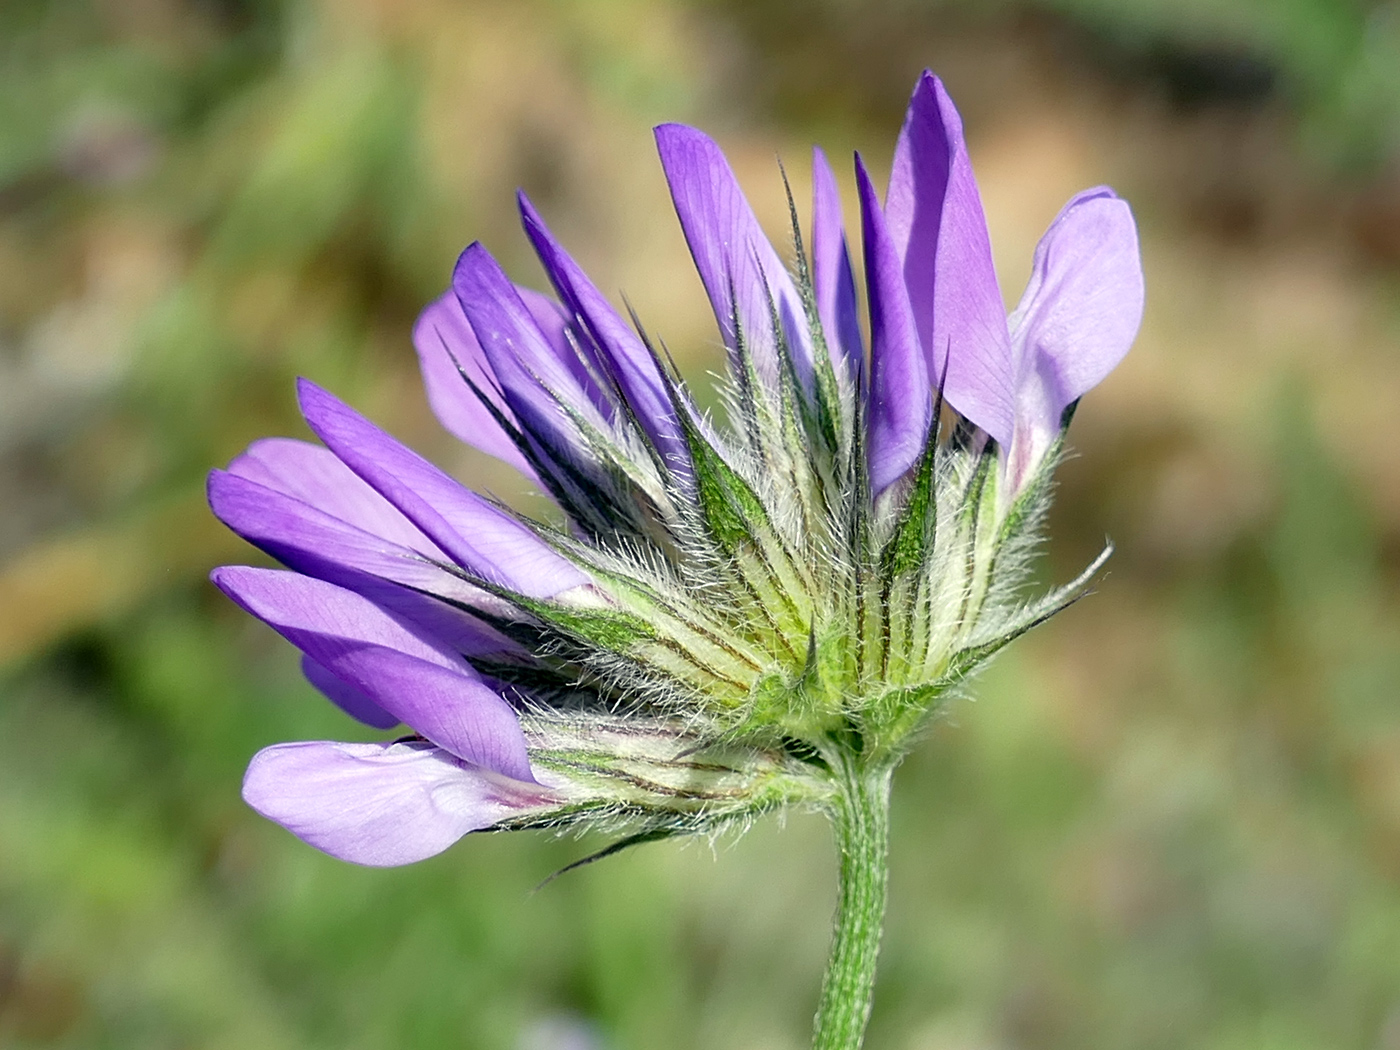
{"points": [[861, 822]]}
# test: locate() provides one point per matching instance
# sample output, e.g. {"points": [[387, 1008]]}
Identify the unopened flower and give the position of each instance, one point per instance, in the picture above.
{"points": [[724, 619]]}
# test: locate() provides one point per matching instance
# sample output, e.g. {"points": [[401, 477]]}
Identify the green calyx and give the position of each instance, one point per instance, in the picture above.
{"points": [[768, 621]]}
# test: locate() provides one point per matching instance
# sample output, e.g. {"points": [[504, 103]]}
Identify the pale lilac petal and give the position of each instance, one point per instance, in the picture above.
{"points": [[395, 577], [624, 357], [345, 696], [380, 804], [474, 533], [833, 279], [741, 272], [533, 374], [412, 678], [1083, 304], [901, 400], [935, 218], [447, 348]]}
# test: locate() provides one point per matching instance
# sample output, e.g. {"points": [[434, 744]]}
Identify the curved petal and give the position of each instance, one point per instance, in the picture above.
{"points": [[477, 535], [315, 476], [901, 401], [624, 357], [447, 347], [936, 220], [454, 709], [303, 609], [380, 804], [1083, 305], [543, 387], [833, 280], [345, 696], [421, 684], [742, 274], [395, 578]]}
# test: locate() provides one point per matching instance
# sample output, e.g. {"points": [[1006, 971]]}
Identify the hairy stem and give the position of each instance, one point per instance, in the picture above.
{"points": [[861, 820]]}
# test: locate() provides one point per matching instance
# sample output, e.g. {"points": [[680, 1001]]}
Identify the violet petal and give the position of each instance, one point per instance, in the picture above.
{"points": [[447, 347], [833, 279], [554, 322], [935, 218], [454, 709], [627, 359], [741, 272], [1082, 306], [396, 578], [345, 696], [420, 683], [477, 535], [901, 400], [536, 378], [379, 804]]}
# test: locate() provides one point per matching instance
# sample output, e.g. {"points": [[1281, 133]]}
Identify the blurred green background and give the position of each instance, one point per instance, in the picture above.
{"points": [[1171, 820]]}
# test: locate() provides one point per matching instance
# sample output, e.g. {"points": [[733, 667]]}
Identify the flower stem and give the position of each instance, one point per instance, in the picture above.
{"points": [[861, 820]]}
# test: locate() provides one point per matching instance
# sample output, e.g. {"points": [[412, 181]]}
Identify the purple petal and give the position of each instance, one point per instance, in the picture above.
{"points": [[297, 532], [536, 378], [901, 401], [447, 347], [454, 709], [832, 277], [299, 605], [935, 218], [478, 536], [418, 682], [741, 272], [315, 476], [320, 545], [1083, 304], [625, 358], [345, 696], [380, 804]]}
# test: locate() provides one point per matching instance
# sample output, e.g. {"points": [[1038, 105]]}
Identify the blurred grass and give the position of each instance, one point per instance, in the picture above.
{"points": [[1171, 820]]}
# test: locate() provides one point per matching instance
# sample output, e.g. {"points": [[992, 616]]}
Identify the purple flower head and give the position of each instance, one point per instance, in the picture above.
{"points": [[715, 611]]}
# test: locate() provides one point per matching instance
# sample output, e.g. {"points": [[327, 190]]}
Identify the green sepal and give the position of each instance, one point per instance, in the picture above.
{"points": [[1028, 504], [909, 547], [658, 833], [614, 630], [965, 661], [822, 423]]}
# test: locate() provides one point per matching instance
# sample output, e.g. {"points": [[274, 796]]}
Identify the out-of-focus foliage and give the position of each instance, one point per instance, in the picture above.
{"points": [[1336, 61], [1171, 820]]}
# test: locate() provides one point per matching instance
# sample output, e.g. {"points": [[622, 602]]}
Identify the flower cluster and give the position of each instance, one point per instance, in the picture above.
{"points": [[723, 619]]}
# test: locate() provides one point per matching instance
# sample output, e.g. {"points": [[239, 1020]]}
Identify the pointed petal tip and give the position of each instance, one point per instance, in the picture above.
{"points": [[471, 259], [931, 87], [314, 400], [529, 214], [672, 131], [216, 487]]}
